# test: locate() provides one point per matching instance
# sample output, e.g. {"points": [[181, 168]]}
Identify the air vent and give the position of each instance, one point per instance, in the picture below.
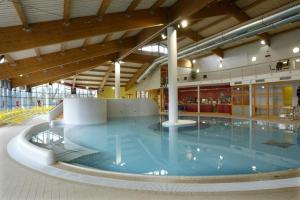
{"points": [[285, 78], [260, 80], [238, 83]]}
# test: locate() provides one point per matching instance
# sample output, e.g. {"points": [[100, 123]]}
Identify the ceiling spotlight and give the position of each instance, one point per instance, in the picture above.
{"points": [[194, 61], [62, 81], [198, 70], [113, 88], [163, 36], [184, 23], [21, 75], [263, 87], [296, 50], [221, 65], [262, 42], [253, 59], [87, 87]]}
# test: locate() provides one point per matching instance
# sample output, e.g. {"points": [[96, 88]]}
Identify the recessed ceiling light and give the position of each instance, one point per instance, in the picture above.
{"points": [[253, 59], [62, 81], [163, 36], [263, 87], [87, 87], [184, 23], [21, 75], [193, 61], [113, 88], [262, 42], [296, 49], [198, 70]]}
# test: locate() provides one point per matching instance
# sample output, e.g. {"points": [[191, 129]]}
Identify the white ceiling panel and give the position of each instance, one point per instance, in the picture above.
{"points": [[42, 10], [80, 8], [50, 48], [74, 43], [145, 4], [168, 3], [118, 6], [96, 39], [22, 54], [8, 14]]}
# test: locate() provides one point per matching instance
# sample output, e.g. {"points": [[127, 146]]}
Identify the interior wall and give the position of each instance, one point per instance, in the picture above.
{"points": [[281, 48], [109, 93]]}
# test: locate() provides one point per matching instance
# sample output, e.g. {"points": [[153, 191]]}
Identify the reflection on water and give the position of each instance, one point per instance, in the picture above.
{"points": [[214, 146]]}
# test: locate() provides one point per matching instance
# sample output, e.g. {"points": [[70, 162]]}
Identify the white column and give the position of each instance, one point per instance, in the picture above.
{"points": [[198, 98], [250, 101], [172, 75], [117, 80]]}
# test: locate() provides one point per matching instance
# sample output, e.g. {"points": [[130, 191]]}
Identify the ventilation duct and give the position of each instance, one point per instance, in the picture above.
{"points": [[254, 27]]}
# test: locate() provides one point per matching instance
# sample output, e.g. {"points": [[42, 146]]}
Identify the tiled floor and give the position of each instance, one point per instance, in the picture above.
{"points": [[18, 182]]}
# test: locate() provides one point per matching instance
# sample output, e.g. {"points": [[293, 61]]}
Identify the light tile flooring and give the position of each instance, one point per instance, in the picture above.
{"points": [[18, 182]]}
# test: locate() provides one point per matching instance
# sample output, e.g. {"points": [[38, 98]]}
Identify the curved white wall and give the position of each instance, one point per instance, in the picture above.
{"points": [[80, 111], [131, 107]]}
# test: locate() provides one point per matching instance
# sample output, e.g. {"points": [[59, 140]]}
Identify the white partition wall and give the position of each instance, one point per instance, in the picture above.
{"points": [[80, 111]]}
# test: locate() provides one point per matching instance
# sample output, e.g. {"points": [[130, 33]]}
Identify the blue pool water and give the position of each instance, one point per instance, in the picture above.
{"points": [[215, 146]]}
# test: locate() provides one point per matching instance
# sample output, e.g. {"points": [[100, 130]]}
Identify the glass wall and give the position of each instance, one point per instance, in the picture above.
{"points": [[44, 95], [275, 100], [240, 100]]}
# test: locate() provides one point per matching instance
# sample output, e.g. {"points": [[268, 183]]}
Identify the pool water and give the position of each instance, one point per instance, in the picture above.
{"points": [[214, 146]]}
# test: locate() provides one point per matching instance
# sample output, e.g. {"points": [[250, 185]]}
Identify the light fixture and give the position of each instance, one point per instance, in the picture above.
{"points": [[21, 75], [296, 50], [87, 87], [62, 81], [221, 64], [2, 59], [263, 87], [163, 36], [113, 88], [184, 23], [178, 26], [198, 70], [194, 61], [298, 60], [238, 89], [198, 149], [253, 59], [262, 42], [253, 168]]}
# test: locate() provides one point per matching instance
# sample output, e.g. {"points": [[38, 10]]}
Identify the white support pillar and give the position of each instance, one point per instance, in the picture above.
{"points": [[198, 98], [172, 75], [250, 101], [117, 80], [172, 82]]}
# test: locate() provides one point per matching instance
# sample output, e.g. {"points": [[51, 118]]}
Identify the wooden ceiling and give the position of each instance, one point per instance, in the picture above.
{"points": [[75, 40]]}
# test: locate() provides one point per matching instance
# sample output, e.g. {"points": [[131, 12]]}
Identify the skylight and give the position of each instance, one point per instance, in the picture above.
{"points": [[155, 48]]}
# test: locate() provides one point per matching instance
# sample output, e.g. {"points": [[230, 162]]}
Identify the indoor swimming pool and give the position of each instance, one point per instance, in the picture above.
{"points": [[215, 146]]}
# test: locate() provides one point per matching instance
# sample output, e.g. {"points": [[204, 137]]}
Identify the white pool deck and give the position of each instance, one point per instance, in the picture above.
{"points": [[19, 182]]}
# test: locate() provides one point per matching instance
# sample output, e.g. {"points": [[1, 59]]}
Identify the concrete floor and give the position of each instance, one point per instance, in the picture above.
{"points": [[19, 182]]}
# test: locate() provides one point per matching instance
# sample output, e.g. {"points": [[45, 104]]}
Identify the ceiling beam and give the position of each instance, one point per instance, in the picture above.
{"points": [[241, 16], [157, 4], [103, 7], [73, 68], [67, 11], [133, 5], [10, 61], [139, 58], [132, 81], [30, 65], [109, 71], [53, 32], [20, 11], [184, 9], [181, 9]]}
